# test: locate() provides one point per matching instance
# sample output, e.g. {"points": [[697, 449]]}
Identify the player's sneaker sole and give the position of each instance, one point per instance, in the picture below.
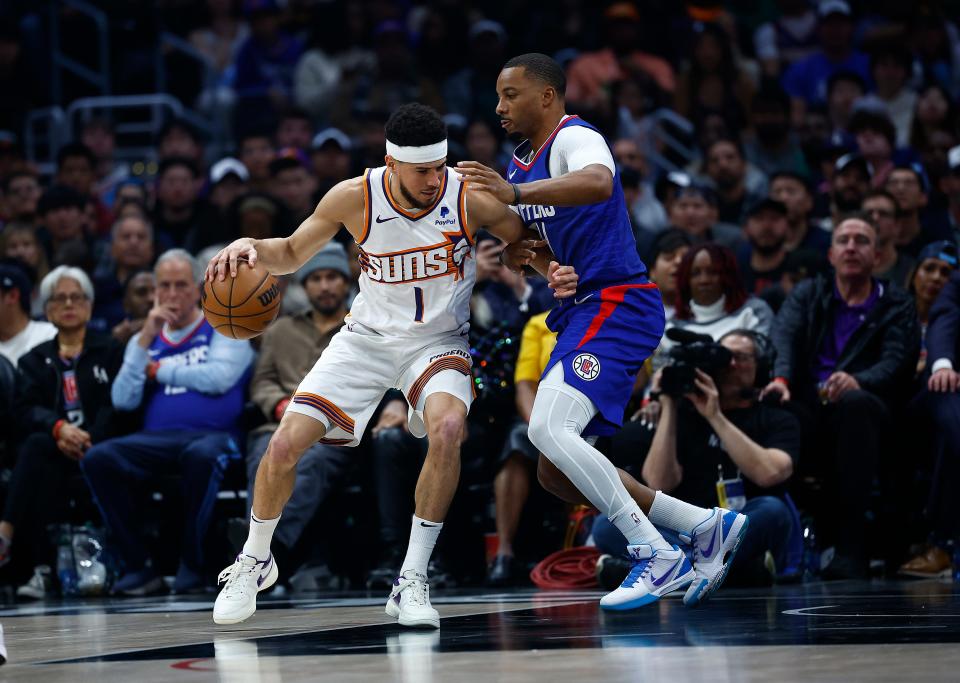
{"points": [[680, 582], [272, 575], [701, 592]]}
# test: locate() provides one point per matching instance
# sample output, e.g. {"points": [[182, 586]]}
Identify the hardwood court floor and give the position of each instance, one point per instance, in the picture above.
{"points": [[842, 631]]}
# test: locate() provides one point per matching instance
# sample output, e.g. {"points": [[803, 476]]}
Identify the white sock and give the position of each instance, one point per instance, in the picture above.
{"points": [[676, 515], [633, 524], [423, 538], [258, 541]]}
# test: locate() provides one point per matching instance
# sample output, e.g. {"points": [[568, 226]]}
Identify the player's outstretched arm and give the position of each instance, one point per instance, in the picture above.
{"points": [[342, 205], [589, 185], [524, 248]]}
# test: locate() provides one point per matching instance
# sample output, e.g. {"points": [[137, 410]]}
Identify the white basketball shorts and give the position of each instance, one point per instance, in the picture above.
{"points": [[351, 376]]}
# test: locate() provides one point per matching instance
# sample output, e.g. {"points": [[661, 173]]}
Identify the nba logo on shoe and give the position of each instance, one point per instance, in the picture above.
{"points": [[586, 366]]}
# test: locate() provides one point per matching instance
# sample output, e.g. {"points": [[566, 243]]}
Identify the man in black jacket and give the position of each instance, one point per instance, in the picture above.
{"points": [[846, 350]]}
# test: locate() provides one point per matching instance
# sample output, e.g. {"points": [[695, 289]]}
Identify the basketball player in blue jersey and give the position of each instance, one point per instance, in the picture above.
{"points": [[564, 184]]}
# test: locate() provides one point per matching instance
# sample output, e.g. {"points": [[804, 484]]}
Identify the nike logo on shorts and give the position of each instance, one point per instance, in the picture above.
{"points": [[581, 300]]}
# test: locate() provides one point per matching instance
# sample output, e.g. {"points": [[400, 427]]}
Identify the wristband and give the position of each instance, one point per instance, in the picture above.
{"points": [[279, 409], [57, 426], [152, 368], [516, 193]]}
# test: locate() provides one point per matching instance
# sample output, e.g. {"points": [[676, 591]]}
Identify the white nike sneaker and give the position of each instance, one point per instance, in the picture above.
{"points": [[409, 601], [244, 579], [715, 541], [654, 574]]}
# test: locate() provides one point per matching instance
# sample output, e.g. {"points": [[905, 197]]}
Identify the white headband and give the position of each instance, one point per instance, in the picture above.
{"points": [[418, 155]]}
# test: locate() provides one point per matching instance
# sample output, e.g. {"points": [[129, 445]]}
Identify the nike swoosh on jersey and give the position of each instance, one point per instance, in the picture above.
{"points": [[580, 301], [384, 220], [512, 173]]}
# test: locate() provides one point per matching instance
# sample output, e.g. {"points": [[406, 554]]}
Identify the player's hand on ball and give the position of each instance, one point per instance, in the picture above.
{"points": [[226, 259], [486, 179], [519, 254], [562, 280]]}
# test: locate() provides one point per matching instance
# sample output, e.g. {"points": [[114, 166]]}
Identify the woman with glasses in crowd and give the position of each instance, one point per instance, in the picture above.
{"points": [[63, 399]]}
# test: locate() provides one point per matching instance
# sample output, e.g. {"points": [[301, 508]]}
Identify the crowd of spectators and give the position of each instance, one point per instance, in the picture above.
{"points": [[805, 216]]}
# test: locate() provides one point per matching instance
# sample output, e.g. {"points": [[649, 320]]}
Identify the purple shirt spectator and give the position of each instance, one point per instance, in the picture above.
{"points": [[847, 321]]}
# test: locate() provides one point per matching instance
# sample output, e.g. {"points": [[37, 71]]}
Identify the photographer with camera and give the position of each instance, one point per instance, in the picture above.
{"points": [[715, 444]]}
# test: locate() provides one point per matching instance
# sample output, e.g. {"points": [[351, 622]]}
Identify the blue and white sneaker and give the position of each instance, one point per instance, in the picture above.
{"points": [[654, 574], [715, 541], [244, 579]]}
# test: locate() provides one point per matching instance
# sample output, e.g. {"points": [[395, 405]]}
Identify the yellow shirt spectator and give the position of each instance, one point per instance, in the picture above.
{"points": [[536, 345]]}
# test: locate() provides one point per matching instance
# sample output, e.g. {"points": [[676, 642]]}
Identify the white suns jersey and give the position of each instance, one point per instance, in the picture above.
{"points": [[418, 269]]}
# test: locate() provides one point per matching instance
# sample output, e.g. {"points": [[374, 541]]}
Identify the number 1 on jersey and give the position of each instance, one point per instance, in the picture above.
{"points": [[418, 300]]}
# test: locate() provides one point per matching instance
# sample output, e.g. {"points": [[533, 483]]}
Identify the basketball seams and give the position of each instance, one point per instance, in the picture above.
{"points": [[252, 292], [245, 315], [230, 309]]}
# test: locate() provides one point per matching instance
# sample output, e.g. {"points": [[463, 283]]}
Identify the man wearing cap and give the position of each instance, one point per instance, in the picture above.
{"points": [[761, 263], [228, 180], [290, 348], [918, 225], [415, 224], [330, 157], [950, 186], [18, 333], [850, 182]]}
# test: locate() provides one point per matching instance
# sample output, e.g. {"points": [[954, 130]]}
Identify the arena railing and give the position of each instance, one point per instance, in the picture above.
{"points": [[99, 78]]}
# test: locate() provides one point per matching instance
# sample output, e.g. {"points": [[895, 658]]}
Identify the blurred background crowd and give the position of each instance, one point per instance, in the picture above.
{"points": [[792, 172]]}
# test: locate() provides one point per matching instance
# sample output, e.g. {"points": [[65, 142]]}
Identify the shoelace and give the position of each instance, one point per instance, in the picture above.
{"points": [[419, 592], [233, 575], [639, 570]]}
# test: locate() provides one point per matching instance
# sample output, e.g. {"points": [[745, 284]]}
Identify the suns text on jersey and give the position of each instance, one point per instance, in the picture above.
{"points": [[413, 265]]}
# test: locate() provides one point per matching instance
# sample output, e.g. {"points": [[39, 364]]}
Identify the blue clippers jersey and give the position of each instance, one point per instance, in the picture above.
{"points": [[179, 408], [596, 239]]}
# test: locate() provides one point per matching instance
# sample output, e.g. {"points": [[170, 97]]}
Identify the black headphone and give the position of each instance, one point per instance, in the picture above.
{"points": [[764, 351]]}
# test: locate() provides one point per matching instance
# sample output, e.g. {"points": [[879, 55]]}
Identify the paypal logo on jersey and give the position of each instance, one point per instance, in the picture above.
{"points": [[443, 220]]}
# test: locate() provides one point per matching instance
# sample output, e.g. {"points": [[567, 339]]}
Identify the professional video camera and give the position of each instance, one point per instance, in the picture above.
{"points": [[692, 351]]}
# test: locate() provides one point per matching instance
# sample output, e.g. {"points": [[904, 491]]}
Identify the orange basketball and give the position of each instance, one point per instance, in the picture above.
{"points": [[242, 307]]}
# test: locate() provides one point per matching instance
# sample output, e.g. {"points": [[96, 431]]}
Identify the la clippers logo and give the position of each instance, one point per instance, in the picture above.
{"points": [[586, 366]]}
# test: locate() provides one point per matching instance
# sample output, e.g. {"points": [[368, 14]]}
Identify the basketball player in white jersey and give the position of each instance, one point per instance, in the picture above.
{"points": [[415, 223]]}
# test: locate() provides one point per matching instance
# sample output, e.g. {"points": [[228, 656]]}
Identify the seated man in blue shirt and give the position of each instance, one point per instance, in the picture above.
{"points": [[190, 383]]}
